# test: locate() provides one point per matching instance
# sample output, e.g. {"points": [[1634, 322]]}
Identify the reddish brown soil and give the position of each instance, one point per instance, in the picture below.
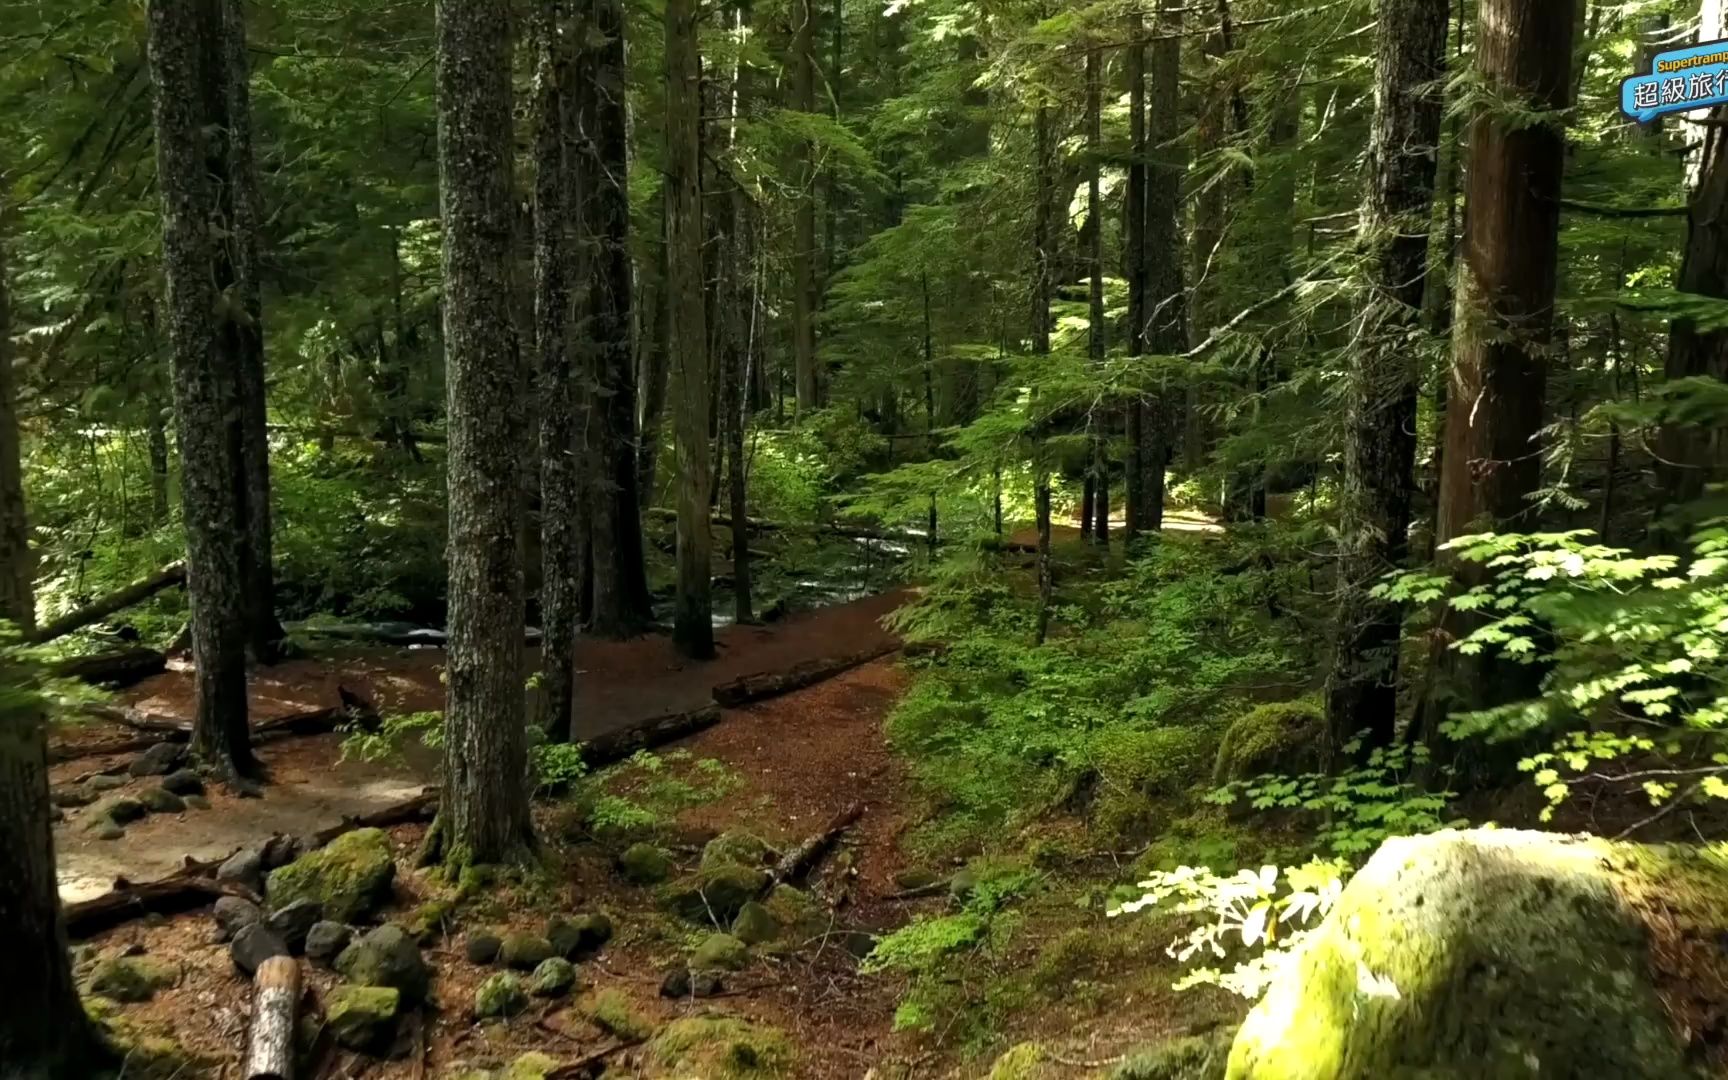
{"points": [[619, 683], [798, 757]]}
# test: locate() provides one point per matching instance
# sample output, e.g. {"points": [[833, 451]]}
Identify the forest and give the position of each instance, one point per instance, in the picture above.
{"points": [[885, 539]]}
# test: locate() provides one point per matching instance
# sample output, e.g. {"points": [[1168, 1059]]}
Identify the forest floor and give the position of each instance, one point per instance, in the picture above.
{"points": [[619, 685], [779, 768]]}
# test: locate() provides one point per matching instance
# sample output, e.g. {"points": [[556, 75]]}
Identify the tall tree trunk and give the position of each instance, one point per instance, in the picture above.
{"points": [[1380, 426], [1210, 208], [190, 72], [242, 207], [43, 1029], [1134, 210], [1505, 309], [741, 337], [929, 405], [483, 812], [1689, 457], [1166, 299], [656, 377], [808, 379], [156, 435], [687, 329], [557, 270], [1041, 288], [621, 602], [1100, 420]]}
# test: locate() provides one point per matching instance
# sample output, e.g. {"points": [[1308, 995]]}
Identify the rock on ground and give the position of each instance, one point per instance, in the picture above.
{"points": [[253, 945], [645, 864], [553, 978], [578, 937], [720, 952], [351, 876], [524, 951], [326, 940], [1492, 953], [234, 914], [499, 996], [387, 956], [362, 1017], [129, 978], [158, 760]]}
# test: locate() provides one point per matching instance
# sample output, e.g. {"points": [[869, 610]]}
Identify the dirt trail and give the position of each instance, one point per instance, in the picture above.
{"points": [[620, 684], [795, 756]]}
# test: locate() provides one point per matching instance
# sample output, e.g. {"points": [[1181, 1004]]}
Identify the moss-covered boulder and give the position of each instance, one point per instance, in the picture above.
{"points": [[721, 1048], [362, 1017], [578, 936], [499, 996], [351, 877], [1189, 1057], [645, 864], [387, 956], [530, 1066], [1023, 1062], [1486, 954], [798, 914], [1281, 738], [738, 846], [755, 925], [713, 895], [129, 978], [524, 951], [553, 978], [720, 952], [612, 1012], [148, 1053]]}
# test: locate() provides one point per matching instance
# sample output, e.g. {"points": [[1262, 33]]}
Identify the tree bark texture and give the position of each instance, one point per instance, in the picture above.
{"points": [[621, 605], [43, 1031], [1690, 456], [1505, 301], [687, 330], [1380, 425], [242, 207], [190, 73], [807, 380], [1134, 212], [1099, 421], [1166, 303], [483, 813], [557, 272]]}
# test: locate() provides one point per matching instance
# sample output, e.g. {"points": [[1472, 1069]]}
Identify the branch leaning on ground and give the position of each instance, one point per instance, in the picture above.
{"points": [[103, 606]]}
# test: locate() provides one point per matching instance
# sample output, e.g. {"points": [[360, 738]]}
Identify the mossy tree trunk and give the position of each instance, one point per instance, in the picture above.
{"points": [[557, 270], [1380, 427], [687, 330], [483, 812], [190, 71], [241, 207], [1166, 301], [621, 604], [807, 381], [43, 1030]]}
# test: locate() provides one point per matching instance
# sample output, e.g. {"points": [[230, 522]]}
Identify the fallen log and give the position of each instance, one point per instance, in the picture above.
{"points": [[117, 667], [275, 999], [183, 890], [796, 864], [762, 685], [836, 528], [588, 1065], [102, 607], [615, 746], [419, 808]]}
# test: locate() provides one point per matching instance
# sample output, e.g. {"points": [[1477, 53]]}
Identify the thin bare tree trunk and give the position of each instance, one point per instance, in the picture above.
{"points": [[808, 381]]}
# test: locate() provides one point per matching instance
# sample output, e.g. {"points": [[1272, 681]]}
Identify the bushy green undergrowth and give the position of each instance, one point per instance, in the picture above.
{"points": [[1122, 708]]}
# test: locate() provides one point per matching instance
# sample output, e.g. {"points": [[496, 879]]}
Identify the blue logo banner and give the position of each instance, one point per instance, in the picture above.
{"points": [[1680, 80]]}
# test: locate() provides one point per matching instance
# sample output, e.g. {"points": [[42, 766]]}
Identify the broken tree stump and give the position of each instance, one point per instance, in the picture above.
{"points": [[275, 999]]}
